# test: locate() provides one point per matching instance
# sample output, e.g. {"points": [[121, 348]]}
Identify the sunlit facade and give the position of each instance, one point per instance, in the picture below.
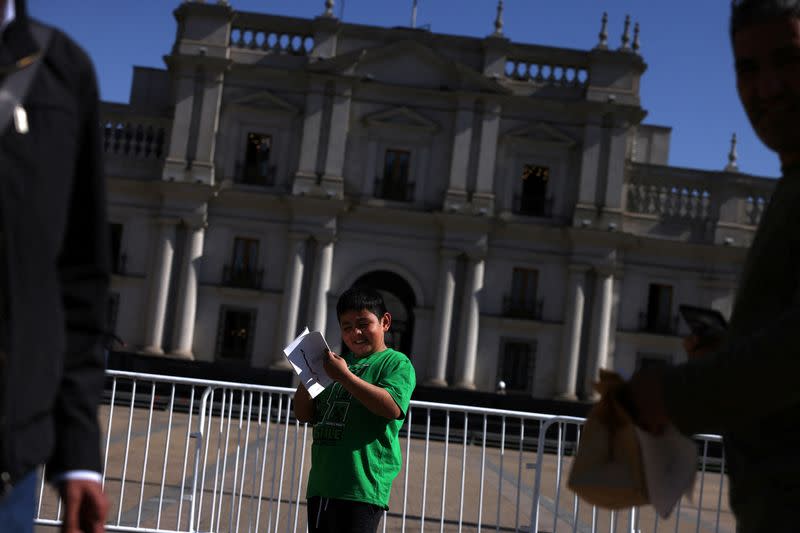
{"points": [[519, 217]]}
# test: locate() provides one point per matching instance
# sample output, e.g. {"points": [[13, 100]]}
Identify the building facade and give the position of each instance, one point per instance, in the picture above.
{"points": [[506, 198]]}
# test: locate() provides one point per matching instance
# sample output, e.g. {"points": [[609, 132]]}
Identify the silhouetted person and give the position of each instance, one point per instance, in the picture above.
{"points": [[54, 272], [745, 385]]}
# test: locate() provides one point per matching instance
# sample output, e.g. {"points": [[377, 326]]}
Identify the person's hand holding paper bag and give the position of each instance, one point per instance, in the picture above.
{"points": [[619, 465], [607, 470]]}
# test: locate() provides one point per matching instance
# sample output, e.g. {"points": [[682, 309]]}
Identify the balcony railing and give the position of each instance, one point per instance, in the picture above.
{"points": [[662, 325], [516, 307], [272, 34], [250, 176], [131, 135], [688, 196], [242, 278], [545, 72], [533, 207], [394, 190]]}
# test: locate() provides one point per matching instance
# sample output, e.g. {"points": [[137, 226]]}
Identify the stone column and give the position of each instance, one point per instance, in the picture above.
{"points": [[159, 286], [208, 126], [590, 164], [604, 292], [443, 319], [321, 285], [615, 180], [175, 160], [573, 325], [192, 145], [187, 297], [337, 141], [197, 64], [309, 144], [470, 324], [459, 161], [487, 152], [291, 296]]}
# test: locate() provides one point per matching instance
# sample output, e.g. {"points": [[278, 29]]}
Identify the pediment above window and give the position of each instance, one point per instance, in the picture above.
{"points": [[401, 117], [541, 133], [265, 101]]}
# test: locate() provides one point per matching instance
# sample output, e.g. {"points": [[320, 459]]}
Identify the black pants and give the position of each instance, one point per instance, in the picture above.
{"points": [[328, 515]]}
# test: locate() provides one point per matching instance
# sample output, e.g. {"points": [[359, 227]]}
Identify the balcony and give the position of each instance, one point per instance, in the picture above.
{"points": [[242, 278], [272, 35], [515, 307], [250, 176], [134, 144], [694, 205], [394, 190], [660, 325], [533, 207]]}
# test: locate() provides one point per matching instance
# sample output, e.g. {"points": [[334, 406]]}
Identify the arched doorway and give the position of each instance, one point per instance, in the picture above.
{"points": [[400, 302]]}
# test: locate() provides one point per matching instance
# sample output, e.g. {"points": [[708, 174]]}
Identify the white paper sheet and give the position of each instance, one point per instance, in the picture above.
{"points": [[670, 466], [306, 354]]}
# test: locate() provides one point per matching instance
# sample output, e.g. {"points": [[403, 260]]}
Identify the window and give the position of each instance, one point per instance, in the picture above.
{"points": [[517, 365], [394, 184], [658, 318], [257, 169], [236, 332], [532, 199], [522, 302], [117, 258], [243, 270]]}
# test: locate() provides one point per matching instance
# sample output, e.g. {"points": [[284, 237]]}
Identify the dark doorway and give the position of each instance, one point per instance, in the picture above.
{"points": [[400, 302]]}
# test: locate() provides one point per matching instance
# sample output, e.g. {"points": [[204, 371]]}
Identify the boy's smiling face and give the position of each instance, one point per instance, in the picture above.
{"points": [[362, 331]]}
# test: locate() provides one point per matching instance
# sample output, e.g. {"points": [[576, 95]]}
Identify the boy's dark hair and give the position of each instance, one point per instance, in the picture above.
{"points": [[360, 298], [746, 13]]}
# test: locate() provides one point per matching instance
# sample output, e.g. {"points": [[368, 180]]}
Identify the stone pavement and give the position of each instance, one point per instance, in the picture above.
{"points": [[498, 500]]}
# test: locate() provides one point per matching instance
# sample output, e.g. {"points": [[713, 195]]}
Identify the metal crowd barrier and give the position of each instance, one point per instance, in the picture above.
{"points": [[188, 455]]}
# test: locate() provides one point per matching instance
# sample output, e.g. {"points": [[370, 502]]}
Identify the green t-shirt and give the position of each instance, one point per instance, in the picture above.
{"points": [[356, 454]]}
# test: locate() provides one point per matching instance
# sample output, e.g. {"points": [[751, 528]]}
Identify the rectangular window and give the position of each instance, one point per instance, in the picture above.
{"points": [[236, 332], [394, 185], [522, 301], [243, 270], [532, 199], [117, 258], [257, 169], [517, 367], [659, 317]]}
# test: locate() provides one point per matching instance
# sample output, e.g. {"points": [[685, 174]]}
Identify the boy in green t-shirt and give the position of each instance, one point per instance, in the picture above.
{"points": [[356, 455]]}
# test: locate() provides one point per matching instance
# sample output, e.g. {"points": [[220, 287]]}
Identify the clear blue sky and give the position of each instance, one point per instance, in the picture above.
{"points": [[689, 83]]}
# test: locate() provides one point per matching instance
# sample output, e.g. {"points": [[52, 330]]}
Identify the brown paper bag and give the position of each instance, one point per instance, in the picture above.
{"points": [[607, 470]]}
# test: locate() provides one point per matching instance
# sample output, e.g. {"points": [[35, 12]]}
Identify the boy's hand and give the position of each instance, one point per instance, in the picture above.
{"points": [[335, 366]]}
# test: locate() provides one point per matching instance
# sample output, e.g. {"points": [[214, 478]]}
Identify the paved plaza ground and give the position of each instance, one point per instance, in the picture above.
{"points": [[495, 493]]}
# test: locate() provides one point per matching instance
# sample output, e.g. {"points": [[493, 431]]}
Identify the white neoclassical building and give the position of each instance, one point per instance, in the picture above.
{"points": [[507, 199]]}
